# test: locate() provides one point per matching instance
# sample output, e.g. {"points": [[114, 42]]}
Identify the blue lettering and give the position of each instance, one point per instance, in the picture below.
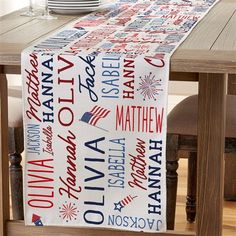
{"points": [[90, 70]]}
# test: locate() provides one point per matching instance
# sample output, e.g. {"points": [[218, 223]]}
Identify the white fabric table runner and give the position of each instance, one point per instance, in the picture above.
{"points": [[95, 107]]}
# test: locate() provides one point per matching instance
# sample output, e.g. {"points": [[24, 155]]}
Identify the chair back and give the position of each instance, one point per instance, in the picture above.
{"points": [[232, 84]]}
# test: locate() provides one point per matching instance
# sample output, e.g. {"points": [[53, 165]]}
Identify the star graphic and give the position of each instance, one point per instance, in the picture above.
{"points": [[118, 206]]}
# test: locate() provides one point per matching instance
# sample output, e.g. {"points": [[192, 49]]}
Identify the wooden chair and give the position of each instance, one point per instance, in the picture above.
{"points": [[182, 143], [16, 147]]}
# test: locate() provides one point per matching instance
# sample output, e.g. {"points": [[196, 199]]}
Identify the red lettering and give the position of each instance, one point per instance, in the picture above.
{"points": [[32, 84], [41, 163], [138, 166], [65, 116], [40, 203], [155, 62], [67, 66], [70, 181]]}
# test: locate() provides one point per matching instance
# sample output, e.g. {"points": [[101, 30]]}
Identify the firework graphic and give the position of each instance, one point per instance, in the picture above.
{"points": [[148, 87], [37, 220], [68, 211], [121, 204]]}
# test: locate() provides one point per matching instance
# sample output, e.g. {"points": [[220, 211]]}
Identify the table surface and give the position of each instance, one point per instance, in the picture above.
{"points": [[209, 54], [211, 47]]}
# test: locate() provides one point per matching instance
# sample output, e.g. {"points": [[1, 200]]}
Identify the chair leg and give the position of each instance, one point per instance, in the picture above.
{"points": [[192, 187], [171, 178], [16, 186], [16, 147]]}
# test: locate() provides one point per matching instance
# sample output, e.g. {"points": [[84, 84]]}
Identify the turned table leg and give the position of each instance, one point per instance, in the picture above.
{"points": [[171, 178], [16, 186], [192, 187], [16, 147]]}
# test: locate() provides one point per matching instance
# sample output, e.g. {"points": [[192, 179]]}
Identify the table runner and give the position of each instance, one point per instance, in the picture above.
{"points": [[95, 105]]}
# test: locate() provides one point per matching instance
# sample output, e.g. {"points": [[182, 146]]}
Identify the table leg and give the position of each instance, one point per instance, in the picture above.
{"points": [[4, 166], [211, 136]]}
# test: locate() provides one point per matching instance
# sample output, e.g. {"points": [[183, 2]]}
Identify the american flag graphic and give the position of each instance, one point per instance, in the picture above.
{"points": [[93, 116]]}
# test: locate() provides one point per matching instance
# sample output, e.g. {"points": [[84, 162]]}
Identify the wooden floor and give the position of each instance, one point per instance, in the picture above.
{"points": [[229, 220]]}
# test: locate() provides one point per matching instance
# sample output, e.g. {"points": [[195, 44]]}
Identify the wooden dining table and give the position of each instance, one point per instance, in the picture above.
{"points": [[208, 55]]}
